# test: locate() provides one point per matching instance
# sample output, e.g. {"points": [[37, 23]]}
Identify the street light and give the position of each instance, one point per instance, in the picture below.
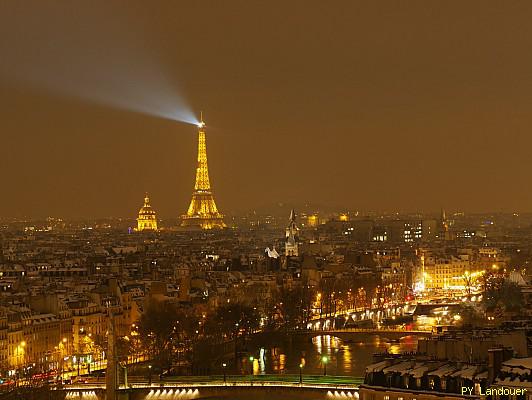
{"points": [[225, 376], [251, 359], [324, 360], [149, 369], [300, 373], [20, 355]]}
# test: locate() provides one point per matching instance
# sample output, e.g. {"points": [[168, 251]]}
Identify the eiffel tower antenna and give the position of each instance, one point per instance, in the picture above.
{"points": [[201, 124]]}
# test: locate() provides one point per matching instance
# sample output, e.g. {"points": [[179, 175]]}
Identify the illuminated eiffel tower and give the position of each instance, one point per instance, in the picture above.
{"points": [[202, 212]]}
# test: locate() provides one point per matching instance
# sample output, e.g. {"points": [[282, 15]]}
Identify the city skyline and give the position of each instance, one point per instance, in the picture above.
{"points": [[362, 107], [272, 200]]}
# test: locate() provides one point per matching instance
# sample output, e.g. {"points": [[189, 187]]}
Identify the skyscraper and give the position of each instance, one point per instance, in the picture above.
{"points": [[202, 211]]}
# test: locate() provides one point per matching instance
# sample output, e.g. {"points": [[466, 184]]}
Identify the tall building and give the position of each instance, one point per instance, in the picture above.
{"points": [[445, 234], [429, 229], [444, 226], [147, 220], [202, 212], [292, 237]]}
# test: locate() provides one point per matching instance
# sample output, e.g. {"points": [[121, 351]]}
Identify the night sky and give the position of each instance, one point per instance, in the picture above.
{"points": [[358, 105]]}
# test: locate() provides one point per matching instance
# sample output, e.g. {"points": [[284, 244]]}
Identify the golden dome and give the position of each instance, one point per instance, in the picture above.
{"points": [[147, 219], [146, 208]]}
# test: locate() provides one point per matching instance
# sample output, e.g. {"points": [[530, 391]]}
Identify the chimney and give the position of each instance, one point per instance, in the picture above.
{"points": [[496, 356]]}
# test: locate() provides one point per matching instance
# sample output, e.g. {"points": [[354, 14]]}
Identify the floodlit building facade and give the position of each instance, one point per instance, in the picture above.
{"points": [[147, 219]]}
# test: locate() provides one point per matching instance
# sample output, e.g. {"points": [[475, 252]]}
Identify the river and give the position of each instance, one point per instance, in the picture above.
{"points": [[319, 354]]}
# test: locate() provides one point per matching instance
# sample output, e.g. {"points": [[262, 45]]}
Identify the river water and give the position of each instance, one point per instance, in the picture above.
{"points": [[321, 353]]}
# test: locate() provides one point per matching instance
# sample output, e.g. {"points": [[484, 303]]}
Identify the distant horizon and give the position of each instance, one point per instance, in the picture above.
{"points": [[278, 213]]}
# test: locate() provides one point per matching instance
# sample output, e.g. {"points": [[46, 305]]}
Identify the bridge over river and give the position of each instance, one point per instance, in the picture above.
{"points": [[262, 387], [362, 316], [360, 334]]}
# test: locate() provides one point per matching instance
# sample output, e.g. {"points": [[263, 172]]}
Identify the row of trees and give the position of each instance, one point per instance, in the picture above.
{"points": [[502, 294], [167, 331]]}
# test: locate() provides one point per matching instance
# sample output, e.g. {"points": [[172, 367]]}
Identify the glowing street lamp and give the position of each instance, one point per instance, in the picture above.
{"points": [[19, 353], [300, 373], [62, 346], [325, 360], [251, 360], [224, 365]]}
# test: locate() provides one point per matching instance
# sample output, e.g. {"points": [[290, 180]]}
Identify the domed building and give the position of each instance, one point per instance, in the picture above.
{"points": [[147, 220]]}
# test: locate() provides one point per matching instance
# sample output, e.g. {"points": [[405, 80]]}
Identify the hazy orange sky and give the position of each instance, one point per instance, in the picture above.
{"points": [[364, 105]]}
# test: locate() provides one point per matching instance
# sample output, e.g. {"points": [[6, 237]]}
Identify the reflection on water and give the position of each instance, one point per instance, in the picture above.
{"points": [[261, 363], [347, 360], [342, 357], [282, 362]]}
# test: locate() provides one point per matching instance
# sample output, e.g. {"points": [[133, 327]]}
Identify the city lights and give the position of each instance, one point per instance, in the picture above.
{"points": [[372, 164]]}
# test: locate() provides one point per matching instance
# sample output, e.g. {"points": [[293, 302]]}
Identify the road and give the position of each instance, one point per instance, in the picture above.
{"points": [[230, 380]]}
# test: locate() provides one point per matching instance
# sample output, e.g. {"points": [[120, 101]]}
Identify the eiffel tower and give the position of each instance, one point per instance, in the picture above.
{"points": [[202, 212]]}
